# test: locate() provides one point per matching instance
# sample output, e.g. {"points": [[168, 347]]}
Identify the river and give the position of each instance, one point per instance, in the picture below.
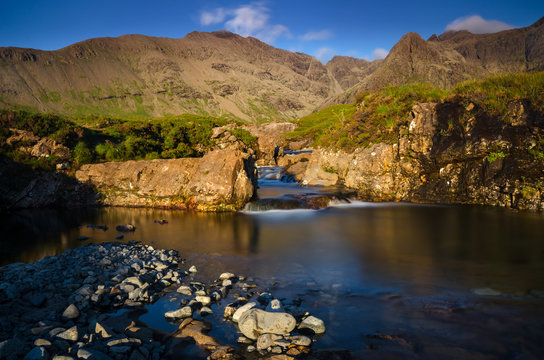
{"points": [[388, 279]]}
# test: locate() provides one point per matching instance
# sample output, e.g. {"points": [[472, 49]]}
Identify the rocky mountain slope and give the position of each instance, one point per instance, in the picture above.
{"points": [[223, 74], [453, 57], [217, 73]]}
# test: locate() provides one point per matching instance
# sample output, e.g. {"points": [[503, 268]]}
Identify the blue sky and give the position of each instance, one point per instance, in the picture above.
{"points": [[363, 29]]}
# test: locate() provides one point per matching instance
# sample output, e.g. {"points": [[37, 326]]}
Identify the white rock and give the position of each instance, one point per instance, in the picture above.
{"points": [[314, 324], [241, 310], [255, 322], [204, 300], [193, 269], [185, 290], [184, 312], [226, 276]]}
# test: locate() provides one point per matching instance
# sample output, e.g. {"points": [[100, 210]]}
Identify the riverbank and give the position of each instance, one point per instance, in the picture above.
{"points": [[85, 303]]}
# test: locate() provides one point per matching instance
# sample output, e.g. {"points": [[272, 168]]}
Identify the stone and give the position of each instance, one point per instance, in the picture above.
{"points": [[71, 312], [185, 290], [314, 324], [226, 283], [204, 300], [38, 300], [251, 348], [101, 330], [274, 306], [229, 311], [42, 342], [62, 357], [37, 353], [71, 334], [300, 340], [226, 276], [265, 341], [184, 312], [92, 354], [125, 228], [205, 311], [255, 322], [486, 292], [193, 269], [241, 310]]}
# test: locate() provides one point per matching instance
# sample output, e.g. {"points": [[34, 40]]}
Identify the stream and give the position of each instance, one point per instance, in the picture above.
{"points": [[389, 279]]}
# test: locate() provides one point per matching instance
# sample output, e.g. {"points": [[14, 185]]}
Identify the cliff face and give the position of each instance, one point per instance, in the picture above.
{"points": [[478, 160]]}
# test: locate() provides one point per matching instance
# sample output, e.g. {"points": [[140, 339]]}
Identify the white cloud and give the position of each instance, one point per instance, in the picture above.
{"points": [[477, 25], [246, 20], [317, 35], [215, 16], [379, 53], [324, 54]]}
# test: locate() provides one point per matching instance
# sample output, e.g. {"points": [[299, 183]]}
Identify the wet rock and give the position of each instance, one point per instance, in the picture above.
{"points": [[255, 322], [125, 228], [197, 330], [229, 311], [71, 334], [241, 310], [184, 312], [314, 324], [204, 311], [37, 353], [185, 290], [71, 312]]}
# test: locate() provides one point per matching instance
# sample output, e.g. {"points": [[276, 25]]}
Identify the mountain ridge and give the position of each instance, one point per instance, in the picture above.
{"points": [[226, 75]]}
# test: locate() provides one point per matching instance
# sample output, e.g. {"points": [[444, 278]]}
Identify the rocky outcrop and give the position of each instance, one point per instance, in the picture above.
{"points": [[221, 180], [269, 136], [474, 160]]}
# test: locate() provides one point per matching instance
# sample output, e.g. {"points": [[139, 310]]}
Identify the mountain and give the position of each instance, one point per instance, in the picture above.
{"points": [[454, 57], [223, 74], [217, 73]]}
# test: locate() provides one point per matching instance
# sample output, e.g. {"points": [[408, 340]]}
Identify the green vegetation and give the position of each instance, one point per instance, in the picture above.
{"points": [[378, 116], [495, 155], [98, 139]]}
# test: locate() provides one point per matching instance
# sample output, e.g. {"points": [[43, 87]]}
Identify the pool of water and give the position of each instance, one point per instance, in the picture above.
{"points": [[390, 279]]}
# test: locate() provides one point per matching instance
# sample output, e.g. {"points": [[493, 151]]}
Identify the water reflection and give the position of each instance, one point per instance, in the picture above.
{"points": [[422, 247]]}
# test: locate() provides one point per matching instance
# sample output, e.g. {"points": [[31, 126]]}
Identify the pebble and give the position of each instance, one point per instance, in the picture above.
{"points": [[71, 312], [226, 276], [204, 300], [193, 269]]}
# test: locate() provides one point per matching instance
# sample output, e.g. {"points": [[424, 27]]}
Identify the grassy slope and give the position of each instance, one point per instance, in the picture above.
{"points": [[377, 115]]}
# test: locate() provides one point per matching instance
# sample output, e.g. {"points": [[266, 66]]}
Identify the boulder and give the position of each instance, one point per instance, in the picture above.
{"points": [[255, 322], [221, 180]]}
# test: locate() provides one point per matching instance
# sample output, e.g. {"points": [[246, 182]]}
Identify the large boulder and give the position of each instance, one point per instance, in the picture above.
{"points": [[255, 322], [221, 180]]}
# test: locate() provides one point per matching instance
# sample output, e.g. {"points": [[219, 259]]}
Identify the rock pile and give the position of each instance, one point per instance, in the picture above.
{"points": [[55, 307]]}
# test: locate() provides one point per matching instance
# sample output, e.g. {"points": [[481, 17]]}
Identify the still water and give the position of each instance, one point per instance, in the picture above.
{"points": [[388, 279]]}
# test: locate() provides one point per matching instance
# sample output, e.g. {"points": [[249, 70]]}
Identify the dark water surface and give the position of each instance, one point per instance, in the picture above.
{"points": [[387, 279]]}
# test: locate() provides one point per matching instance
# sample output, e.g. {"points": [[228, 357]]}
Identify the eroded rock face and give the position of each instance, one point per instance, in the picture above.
{"points": [[477, 160], [221, 180]]}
